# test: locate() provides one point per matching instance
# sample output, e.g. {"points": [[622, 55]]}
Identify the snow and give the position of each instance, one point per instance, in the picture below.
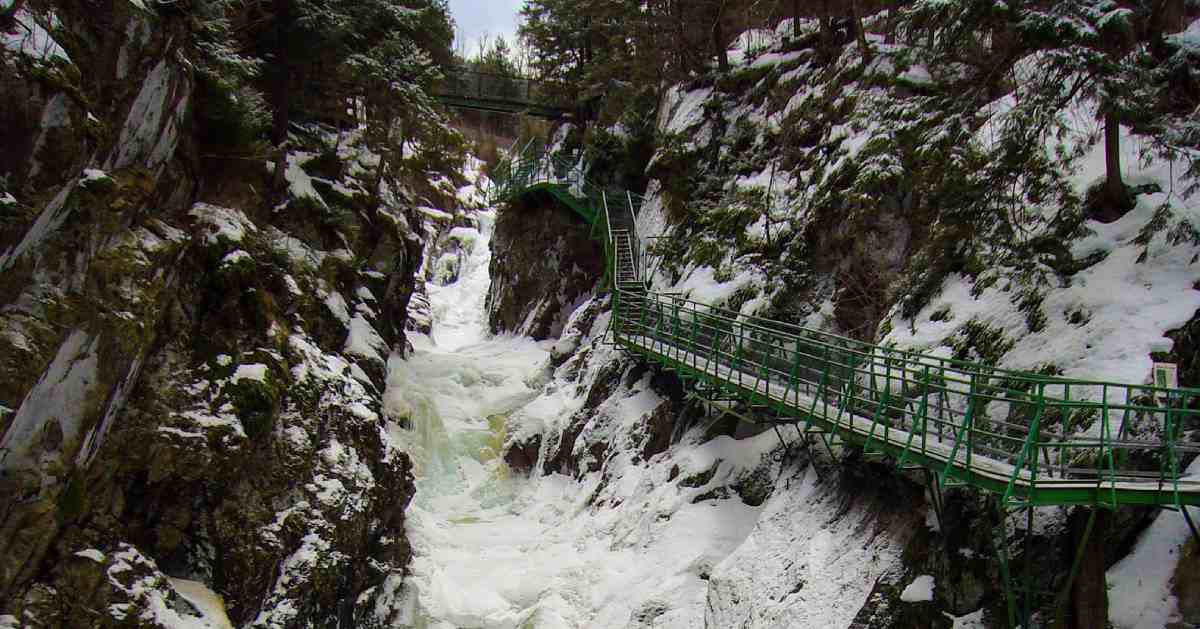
{"points": [[776, 58], [148, 591], [29, 38], [612, 547], [223, 223], [683, 110], [701, 284], [94, 174], [300, 183], [337, 305], [917, 74], [61, 395], [1140, 585], [807, 562], [293, 286], [364, 341], [1189, 39], [151, 129], [254, 371], [55, 115], [47, 223], [497, 550], [973, 620], [210, 605], [919, 591], [234, 257], [93, 554], [1128, 303], [459, 308], [434, 213]]}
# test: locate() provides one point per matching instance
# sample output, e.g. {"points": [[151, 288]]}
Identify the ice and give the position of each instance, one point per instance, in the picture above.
{"points": [[493, 549], [459, 307]]}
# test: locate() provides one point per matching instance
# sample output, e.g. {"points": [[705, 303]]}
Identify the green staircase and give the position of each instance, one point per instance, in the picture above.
{"points": [[1008, 432], [1028, 439]]}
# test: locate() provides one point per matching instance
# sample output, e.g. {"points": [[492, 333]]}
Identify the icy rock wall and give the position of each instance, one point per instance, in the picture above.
{"points": [[765, 195], [544, 264], [190, 380]]}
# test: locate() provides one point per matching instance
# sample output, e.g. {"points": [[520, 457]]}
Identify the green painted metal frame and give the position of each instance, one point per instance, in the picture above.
{"points": [[919, 409], [465, 88], [924, 411], [879, 398]]}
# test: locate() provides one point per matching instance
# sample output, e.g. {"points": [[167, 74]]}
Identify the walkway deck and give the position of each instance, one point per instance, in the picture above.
{"points": [[1031, 439], [497, 93]]}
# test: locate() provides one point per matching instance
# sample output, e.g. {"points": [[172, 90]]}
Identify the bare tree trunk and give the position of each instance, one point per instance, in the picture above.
{"points": [[384, 152], [280, 102], [1089, 592], [1165, 16], [857, 24], [719, 39], [795, 18], [1116, 197]]}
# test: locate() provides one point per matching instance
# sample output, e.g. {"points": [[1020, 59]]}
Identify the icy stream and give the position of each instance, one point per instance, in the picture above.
{"points": [[494, 550]]}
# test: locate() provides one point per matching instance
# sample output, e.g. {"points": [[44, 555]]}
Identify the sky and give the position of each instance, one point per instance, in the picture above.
{"points": [[475, 18]]}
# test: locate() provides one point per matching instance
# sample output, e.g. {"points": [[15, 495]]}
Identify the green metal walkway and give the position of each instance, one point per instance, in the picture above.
{"points": [[1027, 439], [465, 88]]}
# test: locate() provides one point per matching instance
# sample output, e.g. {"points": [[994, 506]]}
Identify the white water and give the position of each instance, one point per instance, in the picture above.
{"points": [[499, 551], [456, 390]]}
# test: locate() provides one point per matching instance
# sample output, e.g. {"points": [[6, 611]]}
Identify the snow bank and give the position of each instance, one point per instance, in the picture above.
{"points": [[919, 591], [1140, 585]]}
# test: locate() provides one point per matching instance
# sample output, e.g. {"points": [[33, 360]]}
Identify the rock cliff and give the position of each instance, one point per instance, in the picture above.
{"points": [[544, 265], [191, 369]]}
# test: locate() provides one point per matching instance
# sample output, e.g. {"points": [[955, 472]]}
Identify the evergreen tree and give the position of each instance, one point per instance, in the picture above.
{"points": [[324, 58]]}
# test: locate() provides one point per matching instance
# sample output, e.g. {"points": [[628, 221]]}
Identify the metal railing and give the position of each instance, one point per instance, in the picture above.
{"points": [[1033, 439], [1042, 439], [490, 91]]}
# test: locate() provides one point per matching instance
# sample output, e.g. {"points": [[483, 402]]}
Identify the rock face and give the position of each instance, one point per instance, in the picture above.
{"points": [[190, 377], [544, 264]]}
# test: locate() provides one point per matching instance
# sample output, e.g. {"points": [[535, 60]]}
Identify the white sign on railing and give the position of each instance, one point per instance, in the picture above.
{"points": [[1166, 375]]}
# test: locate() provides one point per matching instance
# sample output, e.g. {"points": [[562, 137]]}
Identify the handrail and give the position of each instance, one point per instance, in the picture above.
{"points": [[461, 82], [1007, 431]]}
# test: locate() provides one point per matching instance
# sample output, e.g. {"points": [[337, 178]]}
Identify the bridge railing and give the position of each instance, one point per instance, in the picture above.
{"points": [[1009, 431], [604, 207], [466, 83], [1013, 429]]}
